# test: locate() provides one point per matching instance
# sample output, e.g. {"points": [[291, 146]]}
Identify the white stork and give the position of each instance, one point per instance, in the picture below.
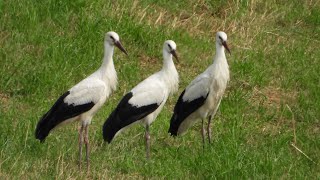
{"points": [[83, 100], [145, 101], [203, 95]]}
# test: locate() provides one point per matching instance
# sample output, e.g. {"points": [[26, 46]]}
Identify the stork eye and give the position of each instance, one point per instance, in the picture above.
{"points": [[169, 46], [112, 38], [220, 38]]}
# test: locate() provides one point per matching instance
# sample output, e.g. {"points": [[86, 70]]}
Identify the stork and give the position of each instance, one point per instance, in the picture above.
{"points": [[202, 97], [83, 100], [145, 101]]}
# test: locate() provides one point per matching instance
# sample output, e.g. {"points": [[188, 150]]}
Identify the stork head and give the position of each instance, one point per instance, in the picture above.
{"points": [[112, 38], [170, 47], [221, 39]]}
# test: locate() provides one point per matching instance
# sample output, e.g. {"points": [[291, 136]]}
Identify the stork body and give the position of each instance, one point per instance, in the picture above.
{"points": [[202, 97], [145, 101], [82, 101]]}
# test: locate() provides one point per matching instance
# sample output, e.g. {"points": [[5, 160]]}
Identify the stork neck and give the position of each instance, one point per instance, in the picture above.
{"points": [[168, 61], [170, 74], [220, 54], [107, 58]]}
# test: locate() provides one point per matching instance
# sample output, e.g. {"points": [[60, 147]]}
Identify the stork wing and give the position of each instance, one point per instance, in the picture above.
{"points": [[88, 90], [199, 87], [191, 99], [144, 99], [79, 99]]}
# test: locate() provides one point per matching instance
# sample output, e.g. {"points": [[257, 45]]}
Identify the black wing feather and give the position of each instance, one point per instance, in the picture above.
{"points": [[124, 115], [182, 110], [58, 113]]}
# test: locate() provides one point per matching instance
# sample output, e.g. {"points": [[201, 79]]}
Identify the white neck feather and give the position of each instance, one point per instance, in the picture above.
{"points": [[170, 72], [220, 67], [107, 71], [220, 56], [107, 58]]}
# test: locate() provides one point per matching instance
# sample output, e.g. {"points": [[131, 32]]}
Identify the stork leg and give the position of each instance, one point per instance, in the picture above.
{"points": [[209, 120], [203, 133], [86, 141], [209, 129], [147, 136], [80, 144]]}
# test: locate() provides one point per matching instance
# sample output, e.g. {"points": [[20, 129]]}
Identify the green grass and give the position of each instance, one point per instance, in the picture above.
{"points": [[272, 99]]}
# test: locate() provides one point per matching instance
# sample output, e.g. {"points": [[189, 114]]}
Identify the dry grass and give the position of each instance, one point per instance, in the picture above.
{"points": [[4, 35], [272, 97], [197, 21], [4, 101], [4, 98]]}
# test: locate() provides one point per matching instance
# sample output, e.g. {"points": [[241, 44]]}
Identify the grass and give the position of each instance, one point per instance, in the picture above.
{"points": [[271, 102]]}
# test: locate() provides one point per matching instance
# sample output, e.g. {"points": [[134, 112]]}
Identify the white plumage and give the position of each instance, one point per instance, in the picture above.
{"points": [[203, 95], [83, 100], [145, 101]]}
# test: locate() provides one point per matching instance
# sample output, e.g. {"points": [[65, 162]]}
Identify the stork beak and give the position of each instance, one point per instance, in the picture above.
{"points": [[119, 45], [173, 52], [224, 43]]}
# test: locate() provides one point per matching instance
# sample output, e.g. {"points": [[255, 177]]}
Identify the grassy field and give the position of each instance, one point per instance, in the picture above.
{"points": [[270, 111]]}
